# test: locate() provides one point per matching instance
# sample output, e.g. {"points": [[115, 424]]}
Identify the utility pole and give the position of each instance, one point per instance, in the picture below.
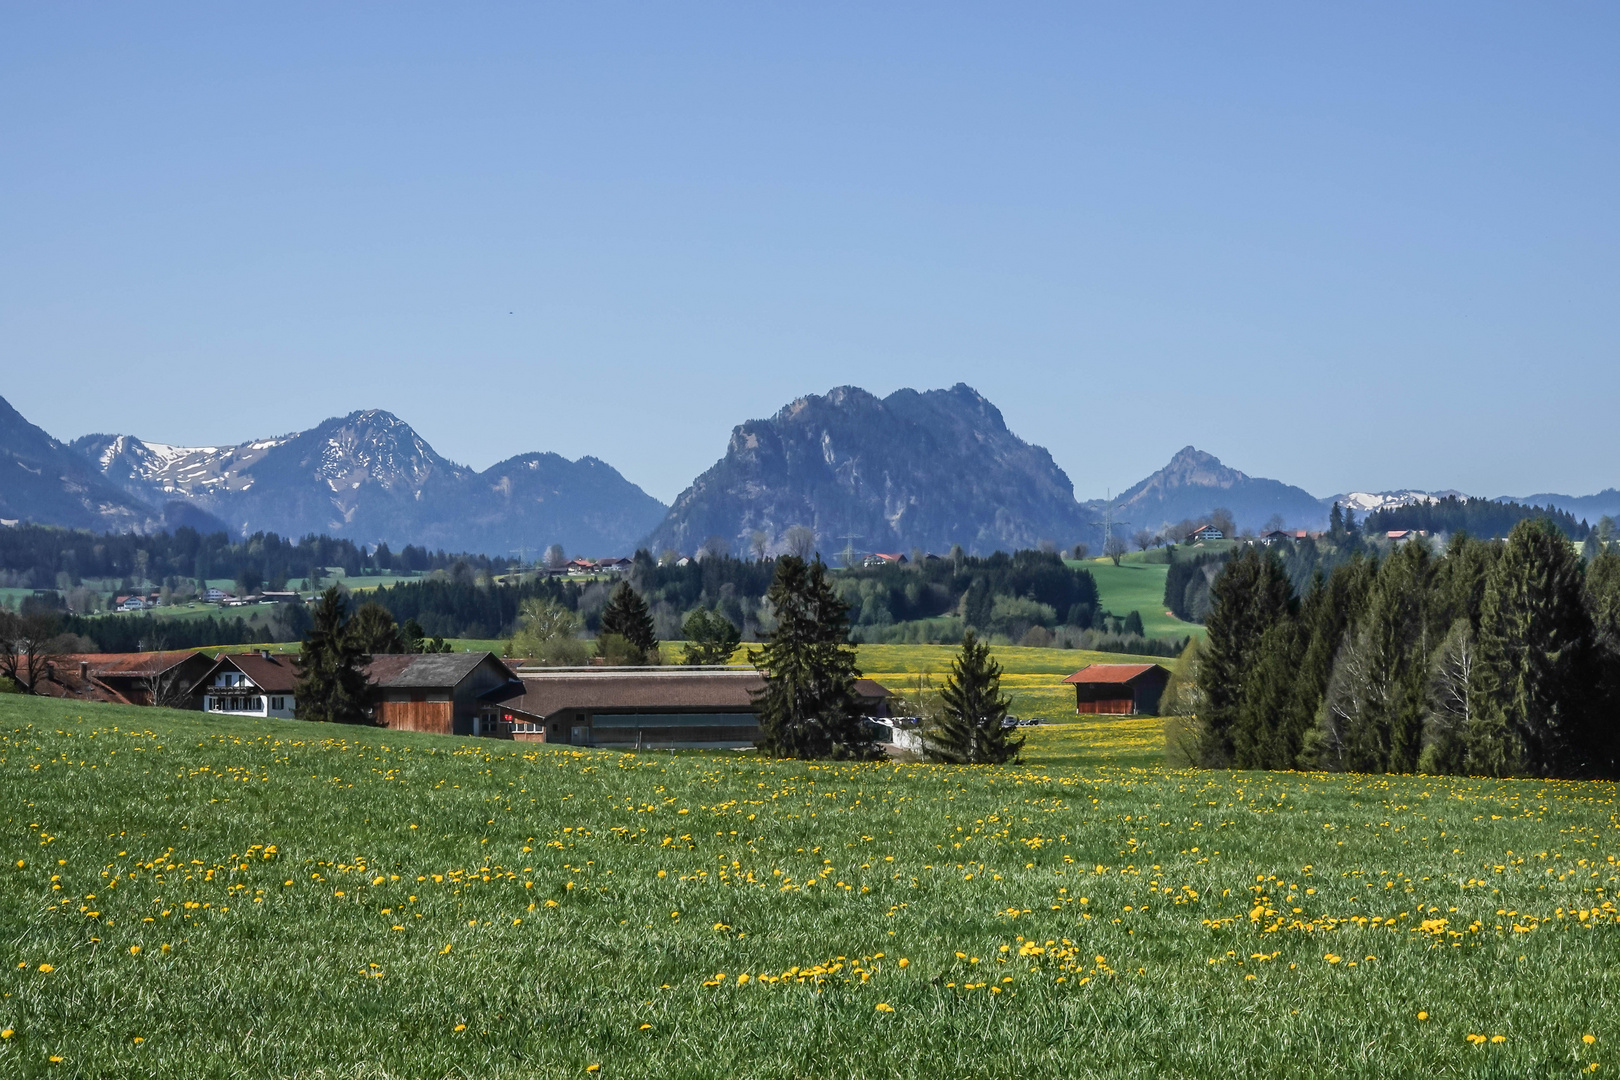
{"points": [[849, 547], [1107, 523]]}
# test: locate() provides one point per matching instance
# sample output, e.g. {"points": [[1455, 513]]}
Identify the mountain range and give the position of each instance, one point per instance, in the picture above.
{"points": [[367, 476], [916, 469]]}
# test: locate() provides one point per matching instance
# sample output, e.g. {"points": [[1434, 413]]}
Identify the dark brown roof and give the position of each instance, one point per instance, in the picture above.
{"points": [[1112, 673], [545, 693], [427, 670], [273, 674], [871, 688], [64, 681]]}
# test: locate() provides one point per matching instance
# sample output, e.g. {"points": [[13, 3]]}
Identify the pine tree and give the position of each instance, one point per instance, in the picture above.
{"points": [[1530, 701], [969, 730], [1326, 619], [1603, 606], [1268, 734], [1384, 731], [1251, 594], [332, 687], [808, 708], [626, 616]]}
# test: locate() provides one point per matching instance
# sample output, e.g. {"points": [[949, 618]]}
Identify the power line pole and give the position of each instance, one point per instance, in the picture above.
{"points": [[1107, 523], [849, 547]]}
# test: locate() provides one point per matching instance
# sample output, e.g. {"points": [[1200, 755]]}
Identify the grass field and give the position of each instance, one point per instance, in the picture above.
{"points": [[197, 897], [1134, 585]]}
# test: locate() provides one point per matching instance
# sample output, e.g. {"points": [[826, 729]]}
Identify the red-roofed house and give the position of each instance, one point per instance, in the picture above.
{"points": [[1118, 689], [881, 558]]}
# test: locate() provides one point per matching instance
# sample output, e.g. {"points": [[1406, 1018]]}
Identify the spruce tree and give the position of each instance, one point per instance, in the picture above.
{"points": [[1325, 620], [1603, 606], [626, 616], [968, 730], [1251, 594], [1529, 704], [1383, 729], [332, 686], [808, 708]]}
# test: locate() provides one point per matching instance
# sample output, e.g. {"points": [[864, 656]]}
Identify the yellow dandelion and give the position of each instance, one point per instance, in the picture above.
{"points": [[56, 1059], [904, 962], [1588, 1039], [1498, 1038], [445, 950], [551, 903], [134, 950], [1422, 1015], [646, 1027], [7, 1033], [459, 1027], [46, 969], [138, 1040], [742, 980], [884, 1006], [593, 1067]]}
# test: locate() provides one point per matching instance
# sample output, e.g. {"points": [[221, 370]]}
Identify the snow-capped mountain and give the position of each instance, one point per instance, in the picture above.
{"points": [[1365, 502], [370, 477]]}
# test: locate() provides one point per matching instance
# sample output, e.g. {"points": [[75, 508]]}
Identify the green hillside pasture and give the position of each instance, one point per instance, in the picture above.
{"points": [[1033, 678], [189, 896], [1137, 586]]}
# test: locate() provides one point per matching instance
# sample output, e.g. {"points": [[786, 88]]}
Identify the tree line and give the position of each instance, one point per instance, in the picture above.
{"points": [[48, 558], [1497, 658]]}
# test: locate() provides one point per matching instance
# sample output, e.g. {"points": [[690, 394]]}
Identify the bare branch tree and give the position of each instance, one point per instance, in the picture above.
{"points": [[800, 541]]}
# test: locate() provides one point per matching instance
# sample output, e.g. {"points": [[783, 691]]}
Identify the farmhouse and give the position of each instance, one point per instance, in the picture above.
{"points": [[654, 708], [441, 693], [249, 684], [1205, 532], [163, 678], [663, 707], [879, 558], [615, 566], [1118, 689]]}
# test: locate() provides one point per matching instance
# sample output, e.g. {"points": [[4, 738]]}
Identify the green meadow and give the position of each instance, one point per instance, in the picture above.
{"points": [[1137, 585], [187, 896]]}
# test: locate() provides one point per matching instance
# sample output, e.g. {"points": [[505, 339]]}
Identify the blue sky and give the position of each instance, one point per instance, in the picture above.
{"points": [[1351, 246]]}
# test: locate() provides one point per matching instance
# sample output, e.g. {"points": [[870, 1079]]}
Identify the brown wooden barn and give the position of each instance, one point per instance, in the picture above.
{"points": [[1118, 689], [436, 692]]}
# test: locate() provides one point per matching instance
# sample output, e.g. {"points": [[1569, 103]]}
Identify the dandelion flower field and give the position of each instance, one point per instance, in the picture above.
{"points": [[193, 897]]}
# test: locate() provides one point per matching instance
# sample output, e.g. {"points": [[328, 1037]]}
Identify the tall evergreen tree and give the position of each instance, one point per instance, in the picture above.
{"points": [[968, 730], [1251, 594], [1383, 730], [808, 708], [627, 617], [332, 685], [1530, 700], [1603, 603]]}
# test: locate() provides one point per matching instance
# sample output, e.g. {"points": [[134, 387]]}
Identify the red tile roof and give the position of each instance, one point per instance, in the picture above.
{"points": [[134, 664], [1111, 673]]}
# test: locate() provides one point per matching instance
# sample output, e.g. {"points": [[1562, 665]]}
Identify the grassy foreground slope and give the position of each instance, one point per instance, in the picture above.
{"points": [[187, 897]]}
